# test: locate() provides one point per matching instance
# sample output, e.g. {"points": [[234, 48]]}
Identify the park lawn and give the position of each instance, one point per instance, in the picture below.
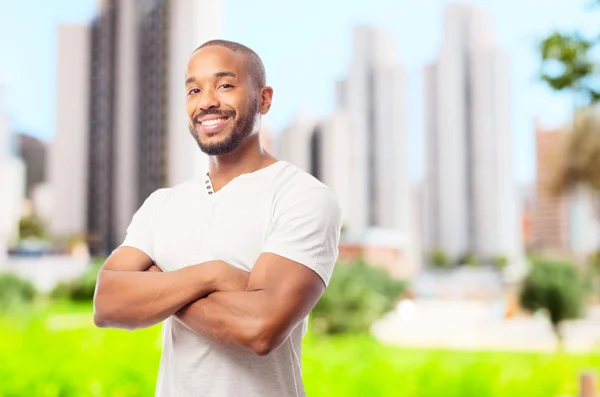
{"points": [[56, 352]]}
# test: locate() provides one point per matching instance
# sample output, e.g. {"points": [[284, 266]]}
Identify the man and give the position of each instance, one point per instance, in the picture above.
{"points": [[232, 262]]}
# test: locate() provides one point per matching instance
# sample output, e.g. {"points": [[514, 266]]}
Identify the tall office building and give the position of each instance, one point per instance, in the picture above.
{"points": [[564, 223], [471, 195], [139, 139], [68, 152], [372, 97], [321, 147], [12, 180], [360, 151], [34, 153], [191, 23], [101, 137], [549, 223]]}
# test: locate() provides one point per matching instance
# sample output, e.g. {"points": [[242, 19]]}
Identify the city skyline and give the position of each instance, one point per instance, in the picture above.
{"points": [[517, 33], [471, 194], [359, 152], [119, 104]]}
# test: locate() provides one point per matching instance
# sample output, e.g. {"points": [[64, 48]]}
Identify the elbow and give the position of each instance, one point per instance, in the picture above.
{"points": [[101, 315], [264, 340], [99, 320], [108, 315], [262, 347], [106, 319]]}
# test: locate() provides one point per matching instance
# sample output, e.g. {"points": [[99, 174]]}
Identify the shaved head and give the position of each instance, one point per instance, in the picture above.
{"points": [[254, 63]]}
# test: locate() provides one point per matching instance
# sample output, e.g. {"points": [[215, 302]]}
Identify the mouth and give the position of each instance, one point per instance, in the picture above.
{"points": [[213, 125]]}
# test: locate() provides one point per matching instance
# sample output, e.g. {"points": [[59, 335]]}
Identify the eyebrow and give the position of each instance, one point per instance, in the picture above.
{"points": [[218, 74], [225, 74]]}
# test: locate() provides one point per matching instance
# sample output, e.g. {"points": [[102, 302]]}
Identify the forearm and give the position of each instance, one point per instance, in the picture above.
{"points": [[234, 318], [135, 299]]}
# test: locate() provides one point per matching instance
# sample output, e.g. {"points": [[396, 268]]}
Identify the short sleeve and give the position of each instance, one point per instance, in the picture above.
{"points": [[140, 231], [306, 229]]}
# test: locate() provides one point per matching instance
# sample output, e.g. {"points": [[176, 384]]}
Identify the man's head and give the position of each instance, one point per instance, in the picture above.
{"points": [[226, 94]]}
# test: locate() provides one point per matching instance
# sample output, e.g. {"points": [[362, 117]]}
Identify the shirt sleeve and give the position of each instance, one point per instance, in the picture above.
{"points": [[306, 229], [140, 232]]}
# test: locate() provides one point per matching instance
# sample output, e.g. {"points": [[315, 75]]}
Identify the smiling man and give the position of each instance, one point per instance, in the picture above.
{"points": [[232, 262]]}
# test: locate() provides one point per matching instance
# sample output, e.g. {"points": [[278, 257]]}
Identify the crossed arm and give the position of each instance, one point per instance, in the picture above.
{"points": [[255, 312]]}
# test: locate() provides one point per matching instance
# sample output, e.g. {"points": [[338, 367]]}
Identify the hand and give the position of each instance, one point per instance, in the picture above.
{"points": [[229, 278]]}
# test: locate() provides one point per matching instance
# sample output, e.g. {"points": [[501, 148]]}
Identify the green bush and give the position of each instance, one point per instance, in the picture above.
{"points": [[358, 295], [468, 259], [79, 290], [31, 226], [500, 262], [438, 259], [15, 292], [556, 287]]}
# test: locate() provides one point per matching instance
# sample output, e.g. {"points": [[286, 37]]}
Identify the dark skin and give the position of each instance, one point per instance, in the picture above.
{"points": [[255, 312]]}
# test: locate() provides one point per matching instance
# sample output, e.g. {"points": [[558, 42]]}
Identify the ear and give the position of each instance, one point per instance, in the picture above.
{"points": [[266, 96]]}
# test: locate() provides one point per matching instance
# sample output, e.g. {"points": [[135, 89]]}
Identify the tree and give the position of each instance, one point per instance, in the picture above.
{"points": [[568, 64], [557, 288], [439, 259], [358, 295], [31, 226]]}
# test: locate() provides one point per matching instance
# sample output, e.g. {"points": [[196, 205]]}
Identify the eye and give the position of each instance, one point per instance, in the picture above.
{"points": [[225, 86], [193, 91]]}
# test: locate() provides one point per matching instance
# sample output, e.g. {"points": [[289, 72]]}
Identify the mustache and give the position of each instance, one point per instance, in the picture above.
{"points": [[210, 112]]}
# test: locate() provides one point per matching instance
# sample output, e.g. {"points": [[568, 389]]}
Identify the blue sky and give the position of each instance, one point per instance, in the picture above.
{"points": [[306, 47]]}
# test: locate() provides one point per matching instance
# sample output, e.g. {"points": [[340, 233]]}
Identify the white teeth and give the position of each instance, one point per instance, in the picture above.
{"points": [[212, 122]]}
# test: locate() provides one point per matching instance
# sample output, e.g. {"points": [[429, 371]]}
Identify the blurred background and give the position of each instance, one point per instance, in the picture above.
{"points": [[463, 141]]}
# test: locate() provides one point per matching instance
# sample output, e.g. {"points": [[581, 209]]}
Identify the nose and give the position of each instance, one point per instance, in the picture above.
{"points": [[208, 99]]}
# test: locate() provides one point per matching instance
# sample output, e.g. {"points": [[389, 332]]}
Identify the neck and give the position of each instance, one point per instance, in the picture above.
{"points": [[247, 157]]}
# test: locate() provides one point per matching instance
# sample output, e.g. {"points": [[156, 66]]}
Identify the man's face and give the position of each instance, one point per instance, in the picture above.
{"points": [[222, 101]]}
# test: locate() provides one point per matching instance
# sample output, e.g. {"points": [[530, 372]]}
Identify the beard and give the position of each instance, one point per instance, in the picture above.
{"points": [[243, 126]]}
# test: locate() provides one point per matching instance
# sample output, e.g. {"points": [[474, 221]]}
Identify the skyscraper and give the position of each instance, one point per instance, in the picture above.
{"points": [[12, 180], [550, 210], [33, 151], [321, 147], [68, 152], [360, 152], [372, 97], [137, 136], [471, 196], [101, 137], [561, 222]]}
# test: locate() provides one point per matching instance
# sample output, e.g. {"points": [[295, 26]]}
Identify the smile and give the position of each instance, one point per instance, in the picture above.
{"points": [[213, 121], [213, 126]]}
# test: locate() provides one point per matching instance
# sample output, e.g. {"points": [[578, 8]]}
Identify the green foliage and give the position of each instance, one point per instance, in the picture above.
{"points": [[15, 292], [594, 259], [468, 259], [357, 295], [438, 259], [63, 354], [81, 289], [359, 366], [31, 226], [593, 272], [567, 64], [556, 287], [500, 261]]}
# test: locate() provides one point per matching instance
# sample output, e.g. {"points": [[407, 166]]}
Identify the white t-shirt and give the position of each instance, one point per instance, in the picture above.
{"points": [[279, 209]]}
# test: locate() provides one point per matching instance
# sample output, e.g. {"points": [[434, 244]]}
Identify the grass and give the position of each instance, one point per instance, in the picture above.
{"points": [[359, 366], [57, 353]]}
